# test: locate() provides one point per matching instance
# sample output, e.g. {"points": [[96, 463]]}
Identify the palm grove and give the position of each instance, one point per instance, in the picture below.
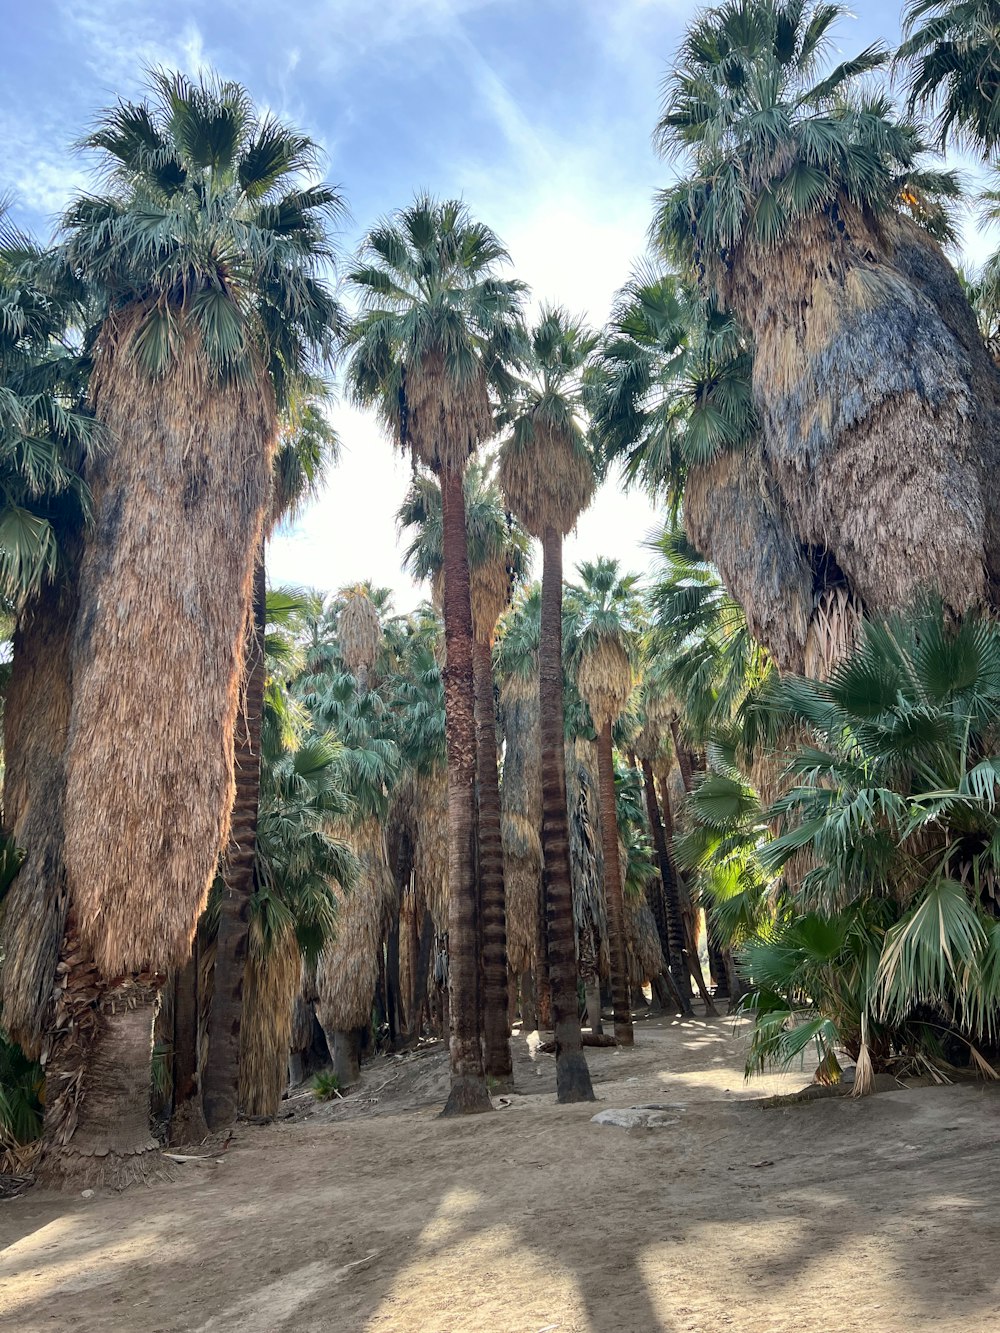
{"points": [[249, 830]]}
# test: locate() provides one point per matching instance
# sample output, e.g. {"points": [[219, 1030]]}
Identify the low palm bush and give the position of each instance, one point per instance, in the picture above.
{"points": [[866, 896]]}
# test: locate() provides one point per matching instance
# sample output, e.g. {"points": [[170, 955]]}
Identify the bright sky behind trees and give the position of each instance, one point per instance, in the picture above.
{"points": [[537, 112]]}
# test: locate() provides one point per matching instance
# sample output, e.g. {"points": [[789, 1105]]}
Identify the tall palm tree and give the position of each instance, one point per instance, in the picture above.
{"points": [[546, 472], [498, 555], [951, 52], [206, 254], [307, 447], [605, 613], [805, 209], [438, 333]]}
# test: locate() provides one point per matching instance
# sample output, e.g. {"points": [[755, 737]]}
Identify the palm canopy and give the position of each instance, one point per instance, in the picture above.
{"points": [[888, 844], [45, 431], [439, 330], [951, 53], [498, 547], [212, 224], [670, 386], [546, 461], [768, 135], [602, 636], [700, 649], [308, 447]]}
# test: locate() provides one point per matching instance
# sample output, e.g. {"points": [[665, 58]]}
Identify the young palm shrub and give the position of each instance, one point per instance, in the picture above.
{"points": [[437, 336], [806, 210], [887, 844], [605, 612], [294, 906], [206, 255], [546, 472]]}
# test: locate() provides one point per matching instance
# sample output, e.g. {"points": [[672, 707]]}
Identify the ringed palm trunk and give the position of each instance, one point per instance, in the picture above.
{"points": [[613, 888], [572, 1074], [679, 903], [496, 1024], [187, 1122], [468, 1082], [674, 922], [221, 1076]]}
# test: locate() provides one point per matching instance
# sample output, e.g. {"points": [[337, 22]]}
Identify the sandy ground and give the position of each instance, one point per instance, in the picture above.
{"points": [[372, 1214]]}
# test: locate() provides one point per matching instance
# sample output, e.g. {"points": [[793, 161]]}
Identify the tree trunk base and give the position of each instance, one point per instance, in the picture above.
{"points": [[573, 1078], [593, 993], [624, 1034], [187, 1124], [346, 1063], [469, 1096], [65, 1169], [497, 1061]]}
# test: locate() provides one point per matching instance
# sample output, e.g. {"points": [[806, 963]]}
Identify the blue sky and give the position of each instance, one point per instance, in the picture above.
{"points": [[538, 112]]}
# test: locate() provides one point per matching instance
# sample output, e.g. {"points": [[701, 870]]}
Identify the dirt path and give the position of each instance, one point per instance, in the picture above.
{"points": [[833, 1215]]}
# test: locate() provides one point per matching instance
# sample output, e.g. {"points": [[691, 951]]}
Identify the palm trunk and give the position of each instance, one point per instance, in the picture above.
{"points": [[613, 888], [672, 918], [682, 899], [97, 1077], [221, 1075], [468, 1081], [496, 1026], [187, 1121], [572, 1075]]}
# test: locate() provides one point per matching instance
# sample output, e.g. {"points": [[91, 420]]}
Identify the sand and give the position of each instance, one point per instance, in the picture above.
{"points": [[372, 1214]]}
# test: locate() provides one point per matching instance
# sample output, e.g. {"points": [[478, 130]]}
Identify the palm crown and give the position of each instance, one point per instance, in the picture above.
{"points": [[44, 430], [546, 463], [670, 386], [439, 329], [767, 138], [213, 223], [952, 48]]}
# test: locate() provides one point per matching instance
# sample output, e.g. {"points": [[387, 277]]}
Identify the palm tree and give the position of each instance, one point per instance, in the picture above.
{"points": [[438, 333], [605, 612], [297, 859], [206, 256], [546, 472], [951, 51], [307, 447], [45, 435], [805, 209], [350, 709], [498, 554]]}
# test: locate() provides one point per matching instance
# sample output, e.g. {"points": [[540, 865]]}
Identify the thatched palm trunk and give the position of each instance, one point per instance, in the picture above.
{"points": [[178, 491], [221, 1078], [468, 1082], [673, 921], [36, 723], [572, 1074], [613, 888], [271, 985], [496, 1022]]}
